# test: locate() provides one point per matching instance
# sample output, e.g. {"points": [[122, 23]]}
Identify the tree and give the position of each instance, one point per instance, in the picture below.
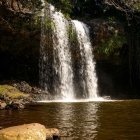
{"points": [[131, 9]]}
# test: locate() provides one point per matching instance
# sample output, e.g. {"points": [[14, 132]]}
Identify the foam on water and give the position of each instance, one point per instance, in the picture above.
{"points": [[76, 100]]}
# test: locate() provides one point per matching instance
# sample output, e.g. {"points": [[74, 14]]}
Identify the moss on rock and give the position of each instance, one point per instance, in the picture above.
{"points": [[11, 92], [12, 98]]}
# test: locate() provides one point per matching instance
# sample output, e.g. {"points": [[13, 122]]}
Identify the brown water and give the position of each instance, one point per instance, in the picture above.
{"points": [[118, 120]]}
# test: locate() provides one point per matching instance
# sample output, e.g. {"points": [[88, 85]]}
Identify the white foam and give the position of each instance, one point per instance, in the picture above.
{"points": [[76, 100]]}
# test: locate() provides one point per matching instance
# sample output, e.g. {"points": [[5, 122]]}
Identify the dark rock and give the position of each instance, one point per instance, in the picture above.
{"points": [[56, 137], [18, 54], [15, 105], [35, 93], [23, 87], [39, 94]]}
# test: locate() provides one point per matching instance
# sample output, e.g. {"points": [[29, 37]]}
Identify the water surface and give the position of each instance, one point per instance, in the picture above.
{"points": [[118, 120]]}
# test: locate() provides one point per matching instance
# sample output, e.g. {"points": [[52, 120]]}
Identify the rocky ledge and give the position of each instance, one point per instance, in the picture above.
{"points": [[17, 95], [32, 131]]}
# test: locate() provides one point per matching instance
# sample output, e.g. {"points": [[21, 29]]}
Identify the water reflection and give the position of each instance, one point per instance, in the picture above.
{"points": [[119, 120], [82, 121], [78, 120]]}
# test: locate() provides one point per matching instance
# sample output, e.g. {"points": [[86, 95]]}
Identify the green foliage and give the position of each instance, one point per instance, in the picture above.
{"points": [[112, 45], [133, 4], [49, 24], [137, 6], [111, 20], [110, 37], [72, 34], [36, 22], [64, 5]]}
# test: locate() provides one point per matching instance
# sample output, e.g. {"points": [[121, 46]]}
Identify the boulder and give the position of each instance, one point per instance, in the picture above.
{"points": [[32, 131]]}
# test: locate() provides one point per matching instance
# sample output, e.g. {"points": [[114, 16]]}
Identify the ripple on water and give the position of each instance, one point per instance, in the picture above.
{"points": [[82, 120]]}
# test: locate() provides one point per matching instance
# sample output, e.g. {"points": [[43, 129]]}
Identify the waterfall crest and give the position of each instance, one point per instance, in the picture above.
{"points": [[56, 62]]}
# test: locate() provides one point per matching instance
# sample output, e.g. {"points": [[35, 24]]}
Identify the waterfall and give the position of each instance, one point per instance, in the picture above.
{"points": [[56, 62], [62, 55], [89, 73], [62, 64]]}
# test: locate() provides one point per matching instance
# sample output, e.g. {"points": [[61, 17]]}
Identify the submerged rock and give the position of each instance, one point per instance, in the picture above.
{"points": [[32, 131]]}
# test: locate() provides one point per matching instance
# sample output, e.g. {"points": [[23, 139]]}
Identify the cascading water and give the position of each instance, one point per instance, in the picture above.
{"points": [[42, 71], [62, 56], [89, 73], [63, 84], [60, 71]]}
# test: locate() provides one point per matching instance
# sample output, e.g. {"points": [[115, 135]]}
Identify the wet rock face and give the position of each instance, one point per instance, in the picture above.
{"points": [[19, 43], [35, 93], [32, 131], [19, 57], [23, 86]]}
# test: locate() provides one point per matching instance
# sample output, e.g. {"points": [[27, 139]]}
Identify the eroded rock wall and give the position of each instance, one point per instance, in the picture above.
{"points": [[19, 43]]}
